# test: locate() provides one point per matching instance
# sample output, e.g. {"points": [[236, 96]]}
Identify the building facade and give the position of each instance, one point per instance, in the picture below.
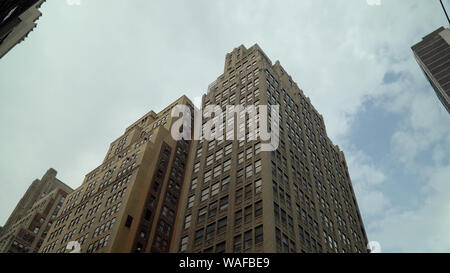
{"points": [[129, 203], [238, 198], [433, 56], [17, 19], [28, 225]]}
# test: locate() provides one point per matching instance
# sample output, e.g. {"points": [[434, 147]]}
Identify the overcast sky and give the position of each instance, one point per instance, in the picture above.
{"points": [[88, 71]]}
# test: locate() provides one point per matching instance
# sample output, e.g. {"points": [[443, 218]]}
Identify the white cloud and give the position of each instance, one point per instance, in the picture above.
{"points": [[374, 2], [368, 181], [420, 144], [421, 230]]}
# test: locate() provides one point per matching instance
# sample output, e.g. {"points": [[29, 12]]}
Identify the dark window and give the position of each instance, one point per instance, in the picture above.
{"points": [[258, 209], [248, 214], [148, 215], [129, 221], [220, 248], [259, 234], [237, 245], [248, 239]]}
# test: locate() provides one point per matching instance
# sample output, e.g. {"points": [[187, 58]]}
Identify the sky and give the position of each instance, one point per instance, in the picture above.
{"points": [[90, 70]]}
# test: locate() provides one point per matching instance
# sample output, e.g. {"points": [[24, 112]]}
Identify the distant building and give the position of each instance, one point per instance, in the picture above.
{"points": [[433, 56], [130, 202], [29, 223], [17, 19]]}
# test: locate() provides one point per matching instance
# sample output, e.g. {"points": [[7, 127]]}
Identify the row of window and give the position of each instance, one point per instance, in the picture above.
{"points": [[103, 242]]}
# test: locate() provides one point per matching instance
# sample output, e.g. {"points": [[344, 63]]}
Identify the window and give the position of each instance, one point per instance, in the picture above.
{"points": [[240, 157], [225, 183], [285, 244], [199, 152], [223, 203], [209, 160], [283, 217], [227, 165], [248, 191], [228, 149], [258, 186], [238, 218], [184, 243], [211, 145], [187, 221], [249, 171], [291, 223], [237, 244], [212, 209], [204, 194], [190, 203], [217, 171], [196, 167], [201, 214], [222, 226], [249, 153], [276, 210], [248, 214], [278, 237], [129, 221], [248, 240], [210, 231], [258, 166], [194, 183], [240, 176], [238, 198], [215, 189], [198, 237], [220, 248], [258, 209], [207, 177], [292, 247], [259, 234]]}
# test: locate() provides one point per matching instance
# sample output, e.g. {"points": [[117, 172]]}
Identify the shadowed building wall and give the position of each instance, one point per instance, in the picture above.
{"points": [[29, 223], [129, 203]]}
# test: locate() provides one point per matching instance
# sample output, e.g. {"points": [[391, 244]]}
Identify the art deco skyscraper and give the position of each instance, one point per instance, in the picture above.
{"points": [[17, 19], [238, 198], [129, 203], [433, 56], [28, 225]]}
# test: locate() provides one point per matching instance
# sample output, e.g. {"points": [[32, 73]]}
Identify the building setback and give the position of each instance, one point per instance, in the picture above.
{"points": [[17, 19], [433, 56], [238, 198], [130, 202], [28, 225]]}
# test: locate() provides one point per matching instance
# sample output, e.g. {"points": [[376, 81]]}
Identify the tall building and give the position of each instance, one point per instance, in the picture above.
{"points": [[17, 19], [238, 198], [433, 56], [28, 225], [129, 203]]}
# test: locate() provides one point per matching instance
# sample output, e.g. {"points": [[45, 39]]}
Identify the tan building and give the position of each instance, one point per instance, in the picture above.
{"points": [[238, 198], [129, 203], [17, 19], [28, 225], [433, 56]]}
